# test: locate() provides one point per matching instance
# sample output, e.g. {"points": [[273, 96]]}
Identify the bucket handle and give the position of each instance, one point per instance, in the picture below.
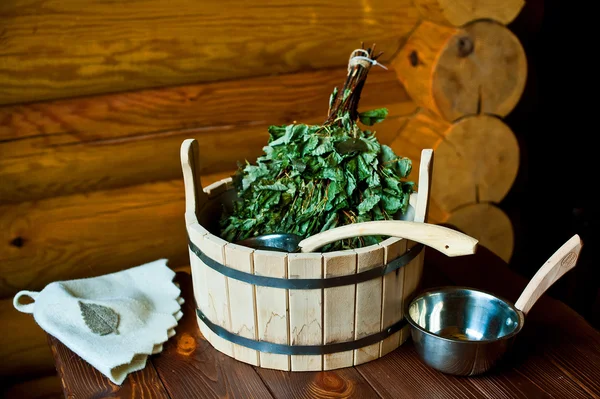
{"points": [[195, 197]]}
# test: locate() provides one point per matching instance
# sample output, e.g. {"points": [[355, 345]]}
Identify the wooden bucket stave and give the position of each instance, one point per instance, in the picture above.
{"points": [[271, 326]]}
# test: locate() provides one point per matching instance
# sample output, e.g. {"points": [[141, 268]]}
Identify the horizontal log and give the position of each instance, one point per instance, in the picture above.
{"points": [[455, 72], [24, 347], [476, 158], [86, 235], [460, 12], [489, 224], [110, 141], [57, 49]]}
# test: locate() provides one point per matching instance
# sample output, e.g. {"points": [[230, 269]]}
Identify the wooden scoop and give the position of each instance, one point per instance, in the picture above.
{"points": [[446, 240]]}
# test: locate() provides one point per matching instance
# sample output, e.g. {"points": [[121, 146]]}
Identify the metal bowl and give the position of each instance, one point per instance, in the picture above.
{"points": [[462, 331]]}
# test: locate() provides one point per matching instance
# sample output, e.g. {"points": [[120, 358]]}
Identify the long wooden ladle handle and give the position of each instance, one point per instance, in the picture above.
{"points": [[563, 260], [446, 240]]}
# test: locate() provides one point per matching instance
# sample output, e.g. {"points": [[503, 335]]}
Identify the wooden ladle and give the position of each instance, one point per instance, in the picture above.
{"points": [[444, 239]]}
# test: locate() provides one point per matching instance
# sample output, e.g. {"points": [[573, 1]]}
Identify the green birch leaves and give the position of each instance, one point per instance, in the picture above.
{"points": [[312, 178]]}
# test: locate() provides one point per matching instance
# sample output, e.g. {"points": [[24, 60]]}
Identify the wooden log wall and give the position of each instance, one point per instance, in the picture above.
{"points": [[95, 100], [465, 73]]}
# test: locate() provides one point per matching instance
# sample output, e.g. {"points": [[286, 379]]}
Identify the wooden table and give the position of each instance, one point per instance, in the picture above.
{"points": [[557, 354]]}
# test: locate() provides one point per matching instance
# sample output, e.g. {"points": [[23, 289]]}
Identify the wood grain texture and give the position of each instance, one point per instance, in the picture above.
{"points": [[84, 144], [562, 261], [489, 224], [55, 49], [392, 302], [78, 236], [196, 234], [479, 68], [195, 197], [556, 355], [80, 380], [476, 158], [23, 346], [191, 368], [477, 161], [402, 375], [217, 291], [459, 13], [305, 310], [242, 301], [341, 383], [272, 307], [339, 307], [421, 381], [368, 307]]}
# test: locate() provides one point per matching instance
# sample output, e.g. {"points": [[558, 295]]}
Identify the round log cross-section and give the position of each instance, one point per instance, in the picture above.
{"points": [[477, 158], [460, 12], [480, 157], [496, 233], [479, 68]]}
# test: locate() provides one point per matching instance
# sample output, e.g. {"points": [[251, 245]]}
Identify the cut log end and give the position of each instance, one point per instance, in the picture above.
{"points": [[461, 12], [477, 158], [477, 161], [480, 68], [487, 223]]}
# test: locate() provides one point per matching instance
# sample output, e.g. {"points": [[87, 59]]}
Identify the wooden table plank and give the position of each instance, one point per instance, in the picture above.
{"points": [[80, 380], [401, 374], [191, 368], [341, 383]]}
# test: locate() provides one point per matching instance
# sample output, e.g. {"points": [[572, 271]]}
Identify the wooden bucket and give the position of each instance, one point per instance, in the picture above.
{"points": [[297, 311]]}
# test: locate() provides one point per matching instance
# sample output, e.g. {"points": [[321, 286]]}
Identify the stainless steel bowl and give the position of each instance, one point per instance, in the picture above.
{"points": [[462, 331]]}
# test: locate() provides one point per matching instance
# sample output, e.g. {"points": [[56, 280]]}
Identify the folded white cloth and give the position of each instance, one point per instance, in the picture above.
{"points": [[115, 321]]}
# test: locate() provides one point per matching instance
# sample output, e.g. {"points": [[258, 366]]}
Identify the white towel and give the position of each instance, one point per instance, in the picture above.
{"points": [[138, 311]]}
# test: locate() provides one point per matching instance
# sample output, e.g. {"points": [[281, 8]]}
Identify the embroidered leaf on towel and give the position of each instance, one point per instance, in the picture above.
{"points": [[100, 319]]}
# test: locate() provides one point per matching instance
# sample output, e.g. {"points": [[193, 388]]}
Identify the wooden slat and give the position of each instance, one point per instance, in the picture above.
{"points": [[339, 308], [393, 294], [217, 291], [306, 310], [89, 235], [342, 383], [80, 380], [198, 272], [272, 308], [367, 316], [191, 368], [242, 301], [76, 145], [57, 49], [23, 346]]}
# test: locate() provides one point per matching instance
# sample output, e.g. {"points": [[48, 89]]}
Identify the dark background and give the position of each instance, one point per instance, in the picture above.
{"points": [[551, 199]]}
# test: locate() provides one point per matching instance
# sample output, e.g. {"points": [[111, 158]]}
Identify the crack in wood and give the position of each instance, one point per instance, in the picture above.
{"points": [[296, 335], [273, 314]]}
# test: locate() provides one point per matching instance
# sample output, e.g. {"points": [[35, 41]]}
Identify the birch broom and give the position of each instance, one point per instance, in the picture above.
{"points": [[312, 178]]}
